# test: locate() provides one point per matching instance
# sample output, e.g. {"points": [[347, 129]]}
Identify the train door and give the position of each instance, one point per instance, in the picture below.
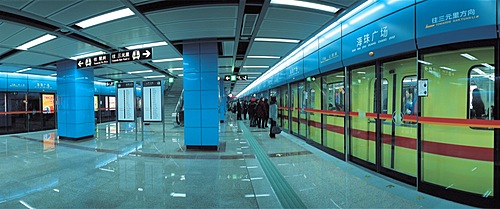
{"points": [[333, 101], [362, 116], [314, 104], [303, 100], [398, 102], [283, 112], [458, 126], [295, 108]]}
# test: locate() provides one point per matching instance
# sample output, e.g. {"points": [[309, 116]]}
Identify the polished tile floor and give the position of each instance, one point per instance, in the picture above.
{"points": [[149, 169]]}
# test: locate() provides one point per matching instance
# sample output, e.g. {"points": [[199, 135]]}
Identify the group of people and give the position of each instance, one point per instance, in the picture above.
{"points": [[260, 112]]}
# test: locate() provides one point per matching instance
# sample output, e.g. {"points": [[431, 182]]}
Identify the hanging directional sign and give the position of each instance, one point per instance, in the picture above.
{"points": [[92, 61], [131, 55], [242, 77], [227, 77]]}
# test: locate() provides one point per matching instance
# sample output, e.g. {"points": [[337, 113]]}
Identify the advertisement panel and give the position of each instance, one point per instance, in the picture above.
{"points": [[47, 103]]}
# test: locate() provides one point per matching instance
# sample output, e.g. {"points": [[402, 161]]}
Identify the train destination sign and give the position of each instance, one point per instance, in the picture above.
{"points": [[92, 61], [131, 55]]}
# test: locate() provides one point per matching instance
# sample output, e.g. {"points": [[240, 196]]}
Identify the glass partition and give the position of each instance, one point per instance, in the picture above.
{"points": [[334, 102]]}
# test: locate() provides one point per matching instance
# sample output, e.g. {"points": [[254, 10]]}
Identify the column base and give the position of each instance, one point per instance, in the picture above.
{"points": [[76, 139], [202, 148]]}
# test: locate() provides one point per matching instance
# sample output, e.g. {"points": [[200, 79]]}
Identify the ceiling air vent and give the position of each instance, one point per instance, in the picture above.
{"points": [[249, 21]]}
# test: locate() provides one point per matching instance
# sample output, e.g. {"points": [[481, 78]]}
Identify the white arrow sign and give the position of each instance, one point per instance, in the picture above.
{"points": [[80, 64], [147, 53]]}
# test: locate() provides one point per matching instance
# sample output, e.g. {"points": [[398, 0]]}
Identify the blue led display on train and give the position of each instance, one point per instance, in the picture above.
{"points": [[446, 22], [390, 35]]}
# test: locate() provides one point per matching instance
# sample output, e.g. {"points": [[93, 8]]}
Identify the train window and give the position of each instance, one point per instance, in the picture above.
{"points": [[384, 94], [481, 91], [335, 97], [409, 95]]}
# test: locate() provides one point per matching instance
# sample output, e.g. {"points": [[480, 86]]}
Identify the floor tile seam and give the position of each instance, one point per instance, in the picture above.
{"points": [[285, 193]]}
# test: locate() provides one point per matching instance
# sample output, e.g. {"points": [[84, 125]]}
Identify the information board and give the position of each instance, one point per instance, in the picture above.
{"points": [[152, 100], [125, 101]]}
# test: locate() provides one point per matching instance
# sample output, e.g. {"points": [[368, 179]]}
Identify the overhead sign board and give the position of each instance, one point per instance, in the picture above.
{"points": [[131, 55], [242, 77], [92, 61], [235, 77], [152, 101]]}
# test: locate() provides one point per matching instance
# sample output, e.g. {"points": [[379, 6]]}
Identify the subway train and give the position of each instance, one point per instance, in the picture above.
{"points": [[410, 95], [29, 103]]}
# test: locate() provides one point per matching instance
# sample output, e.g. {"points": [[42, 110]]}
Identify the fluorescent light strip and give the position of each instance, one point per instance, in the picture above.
{"points": [[105, 18], [87, 55], [155, 76], [262, 57], [178, 68], [140, 46], [168, 60], [468, 56], [37, 41], [180, 75], [487, 65], [140, 71], [424, 62], [256, 66], [282, 40], [23, 70], [305, 4]]}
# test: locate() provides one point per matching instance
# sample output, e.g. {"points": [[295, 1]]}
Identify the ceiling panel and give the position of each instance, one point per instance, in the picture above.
{"points": [[298, 16], [225, 61], [268, 62], [164, 52], [222, 24], [65, 47], [200, 34], [3, 50], [344, 3], [85, 10], [106, 70], [44, 8], [131, 37], [168, 65], [273, 33], [193, 14], [128, 66], [115, 26], [17, 4], [271, 48], [21, 37], [34, 58], [285, 27], [8, 30]]}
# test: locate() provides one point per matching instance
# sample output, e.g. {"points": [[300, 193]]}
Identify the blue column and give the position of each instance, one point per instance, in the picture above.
{"points": [[223, 97], [75, 99], [201, 95]]}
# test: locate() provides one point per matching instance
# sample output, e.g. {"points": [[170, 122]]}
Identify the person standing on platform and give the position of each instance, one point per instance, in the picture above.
{"points": [[261, 113], [251, 112], [266, 103], [239, 109], [273, 115], [245, 109]]}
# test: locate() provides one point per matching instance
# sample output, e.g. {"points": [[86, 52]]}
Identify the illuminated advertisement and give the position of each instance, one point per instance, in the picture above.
{"points": [[48, 103], [96, 103], [112, 103]]}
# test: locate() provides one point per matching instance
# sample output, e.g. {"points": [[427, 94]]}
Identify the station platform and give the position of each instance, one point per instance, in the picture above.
{"points": [[130, 170]]}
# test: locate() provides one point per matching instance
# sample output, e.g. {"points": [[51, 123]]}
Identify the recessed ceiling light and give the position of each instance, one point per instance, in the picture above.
{"points": [[140, 71], [306, 4], [37, 41], [468, 56], [105, 18], [262, 57], [155, 76], [256, 66], [178, 68], [278, 40], [140, 46], [87, 55], [23, 70], [168, 60]]}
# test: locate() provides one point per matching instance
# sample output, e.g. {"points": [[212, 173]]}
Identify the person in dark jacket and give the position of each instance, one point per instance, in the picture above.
{"points": [[239, 109], [251, 112], [245, 109], [267, 113], [261, 113], [273, 115]]}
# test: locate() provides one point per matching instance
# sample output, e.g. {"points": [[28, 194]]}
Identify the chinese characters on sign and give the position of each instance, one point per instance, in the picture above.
{"points": [[92, 61], [453, 17], [373, 38]]}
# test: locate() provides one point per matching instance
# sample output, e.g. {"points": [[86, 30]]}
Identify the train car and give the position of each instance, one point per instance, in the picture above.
{"points": [[410, 94]]}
